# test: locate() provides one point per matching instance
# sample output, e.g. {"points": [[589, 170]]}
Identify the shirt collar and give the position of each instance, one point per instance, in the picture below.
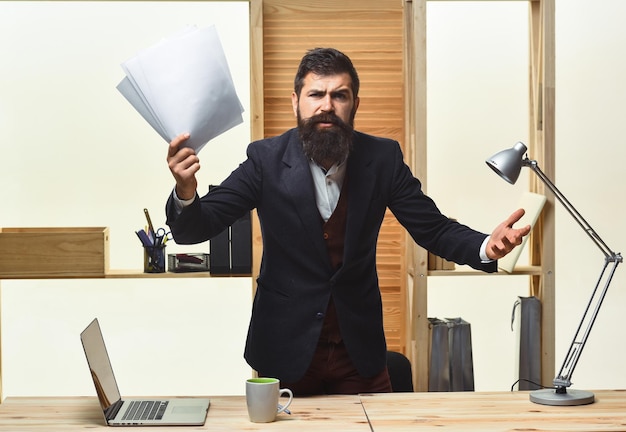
{"points": [[337, 168]]}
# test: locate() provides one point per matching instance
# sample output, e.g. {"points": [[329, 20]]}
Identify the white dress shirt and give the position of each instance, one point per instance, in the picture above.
{"points": [[327, 187]]}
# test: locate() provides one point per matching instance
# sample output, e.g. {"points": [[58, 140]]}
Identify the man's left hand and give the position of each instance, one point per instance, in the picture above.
{"points": [[505, 238]]}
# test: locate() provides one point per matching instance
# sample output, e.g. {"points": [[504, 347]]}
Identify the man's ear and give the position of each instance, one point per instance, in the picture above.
{"points": [[294, 103]]}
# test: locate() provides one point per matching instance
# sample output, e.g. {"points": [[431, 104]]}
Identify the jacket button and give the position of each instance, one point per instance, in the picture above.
{"points": [[326, 236], [319, 315]]}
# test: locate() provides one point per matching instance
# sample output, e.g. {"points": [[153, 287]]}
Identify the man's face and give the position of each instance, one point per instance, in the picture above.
{"points": [[325, 110], [326, 94]]}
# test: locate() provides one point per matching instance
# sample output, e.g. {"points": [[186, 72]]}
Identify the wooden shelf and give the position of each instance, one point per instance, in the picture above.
{"points": [[462, 271], [132, 273], [126, 274]]}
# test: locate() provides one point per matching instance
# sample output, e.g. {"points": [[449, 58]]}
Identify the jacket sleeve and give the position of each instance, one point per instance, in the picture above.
{"points": [[210, 214], [428, 227]]}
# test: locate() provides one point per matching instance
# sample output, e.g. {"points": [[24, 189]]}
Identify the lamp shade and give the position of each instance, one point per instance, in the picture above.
{"points": [[508, 163]]}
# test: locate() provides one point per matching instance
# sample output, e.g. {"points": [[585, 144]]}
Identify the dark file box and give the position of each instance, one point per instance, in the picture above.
{"points": [[231, 250], [219, 253], [241, 246]]}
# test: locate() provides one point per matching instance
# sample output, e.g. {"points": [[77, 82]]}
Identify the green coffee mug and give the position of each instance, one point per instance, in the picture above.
{"points": [[262, 399]]}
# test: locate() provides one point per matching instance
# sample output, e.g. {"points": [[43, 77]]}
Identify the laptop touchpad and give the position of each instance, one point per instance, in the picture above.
{"points": [[187, 409]]}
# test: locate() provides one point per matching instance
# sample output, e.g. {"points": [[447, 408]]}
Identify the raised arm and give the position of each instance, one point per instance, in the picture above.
{"points": [[184, 164]]}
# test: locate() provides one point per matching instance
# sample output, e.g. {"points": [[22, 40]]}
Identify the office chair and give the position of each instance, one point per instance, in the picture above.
{"points": [[399, 368]]}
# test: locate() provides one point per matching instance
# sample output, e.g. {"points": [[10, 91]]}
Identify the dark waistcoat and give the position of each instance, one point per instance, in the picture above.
{"points": [[334, 236]]}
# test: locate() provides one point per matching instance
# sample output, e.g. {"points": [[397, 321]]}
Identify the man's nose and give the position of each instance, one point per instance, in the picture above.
{"points": [[327, 104]]}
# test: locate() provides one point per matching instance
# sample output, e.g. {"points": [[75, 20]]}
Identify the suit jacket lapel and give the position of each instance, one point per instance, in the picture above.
{"points": [[296, 178], [361, 185]]}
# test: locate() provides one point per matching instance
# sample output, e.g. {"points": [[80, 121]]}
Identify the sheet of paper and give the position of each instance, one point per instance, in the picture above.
{"points": [[183, 84], [132, 95]]}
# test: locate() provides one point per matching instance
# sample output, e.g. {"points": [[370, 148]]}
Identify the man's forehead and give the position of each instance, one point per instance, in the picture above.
{"points": [[333, 81]]}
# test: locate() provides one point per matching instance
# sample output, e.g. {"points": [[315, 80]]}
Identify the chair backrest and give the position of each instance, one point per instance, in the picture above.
{"points": [[400, 372]]}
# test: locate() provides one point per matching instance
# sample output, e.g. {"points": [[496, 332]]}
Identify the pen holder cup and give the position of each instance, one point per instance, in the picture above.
{"points": [[154, 259]]}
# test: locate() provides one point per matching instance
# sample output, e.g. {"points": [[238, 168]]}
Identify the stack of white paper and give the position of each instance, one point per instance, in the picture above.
{"points": [[183, 84]]}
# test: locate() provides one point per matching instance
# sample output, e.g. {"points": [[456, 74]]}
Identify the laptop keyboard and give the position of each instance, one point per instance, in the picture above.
{"points": [[145, 410]]}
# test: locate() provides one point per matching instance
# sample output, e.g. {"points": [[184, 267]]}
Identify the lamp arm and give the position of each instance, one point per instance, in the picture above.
{"points": [[563, 379], [608, 253]]}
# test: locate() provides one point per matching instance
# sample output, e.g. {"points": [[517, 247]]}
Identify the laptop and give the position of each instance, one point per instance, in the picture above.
{"points": [[134, 412]]}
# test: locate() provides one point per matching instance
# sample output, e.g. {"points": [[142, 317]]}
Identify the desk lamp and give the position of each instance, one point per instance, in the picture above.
{"points": [[508, 164]]}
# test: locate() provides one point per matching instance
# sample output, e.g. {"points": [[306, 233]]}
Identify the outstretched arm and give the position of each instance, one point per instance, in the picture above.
{"points": [[505, 238]]}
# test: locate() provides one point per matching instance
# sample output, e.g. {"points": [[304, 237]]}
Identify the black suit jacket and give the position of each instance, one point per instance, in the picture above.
{"points": [[296, 279]]}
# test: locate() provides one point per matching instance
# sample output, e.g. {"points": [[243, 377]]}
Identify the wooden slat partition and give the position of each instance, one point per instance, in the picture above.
{"points": [[371, 33]]}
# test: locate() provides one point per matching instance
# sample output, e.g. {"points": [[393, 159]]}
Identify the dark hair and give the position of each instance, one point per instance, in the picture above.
{"points": [[325, 62]]}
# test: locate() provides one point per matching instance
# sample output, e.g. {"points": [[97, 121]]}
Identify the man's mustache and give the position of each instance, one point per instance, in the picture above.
{"points": [[325, 118]]}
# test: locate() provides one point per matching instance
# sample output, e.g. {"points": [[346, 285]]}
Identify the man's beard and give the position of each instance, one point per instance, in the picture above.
{"points": [[325, 145]]}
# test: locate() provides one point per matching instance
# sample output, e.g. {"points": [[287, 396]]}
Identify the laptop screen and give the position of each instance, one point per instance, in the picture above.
{"points": [[100, 367]]}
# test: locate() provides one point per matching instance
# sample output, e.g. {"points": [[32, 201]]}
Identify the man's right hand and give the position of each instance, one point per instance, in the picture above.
{"points": [[184, 164]]}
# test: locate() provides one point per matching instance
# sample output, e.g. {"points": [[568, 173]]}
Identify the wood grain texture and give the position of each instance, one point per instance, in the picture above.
{"points": [[460, 411], [491, 411], [43, 252], [371, 34], [226, 413]]}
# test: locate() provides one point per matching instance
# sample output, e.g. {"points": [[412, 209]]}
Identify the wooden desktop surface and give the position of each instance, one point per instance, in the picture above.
{"points": [[464, 411], [491, 411], [226, 413]]}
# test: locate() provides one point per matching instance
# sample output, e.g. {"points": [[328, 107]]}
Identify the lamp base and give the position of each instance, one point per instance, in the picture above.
{"points": [[569, 398]]}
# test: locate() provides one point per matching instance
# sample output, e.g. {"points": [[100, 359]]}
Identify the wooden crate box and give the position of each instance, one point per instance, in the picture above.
{"points": [[27, 253]]}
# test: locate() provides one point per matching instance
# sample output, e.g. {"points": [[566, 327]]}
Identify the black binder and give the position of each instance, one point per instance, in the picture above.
{"points": [[241, 246], [219, 253], [231, 250]]}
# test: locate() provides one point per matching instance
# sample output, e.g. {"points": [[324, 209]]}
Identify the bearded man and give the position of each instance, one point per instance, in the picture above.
{"points": [[321, 191]]}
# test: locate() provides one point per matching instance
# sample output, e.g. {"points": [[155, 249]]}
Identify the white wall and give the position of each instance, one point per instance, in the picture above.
{"points": [[591, 96], [75, 153], [477, 106]]}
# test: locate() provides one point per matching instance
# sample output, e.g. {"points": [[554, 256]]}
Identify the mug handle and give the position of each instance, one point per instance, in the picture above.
{"points": [[282, 407]]}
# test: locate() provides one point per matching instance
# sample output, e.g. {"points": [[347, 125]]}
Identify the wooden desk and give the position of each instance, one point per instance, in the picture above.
{"points": [[466, 412], [491, 411], [226, 413]]}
